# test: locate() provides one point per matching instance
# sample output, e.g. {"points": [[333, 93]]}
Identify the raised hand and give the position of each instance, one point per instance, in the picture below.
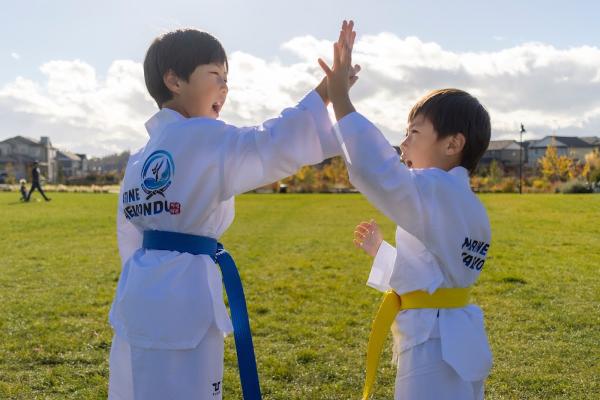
{"points": [[367, 236], [346, 41], [342, 75]]}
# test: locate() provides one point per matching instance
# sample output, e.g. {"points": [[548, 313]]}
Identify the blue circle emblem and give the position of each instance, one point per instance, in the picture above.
{"points": [[157, 172]]}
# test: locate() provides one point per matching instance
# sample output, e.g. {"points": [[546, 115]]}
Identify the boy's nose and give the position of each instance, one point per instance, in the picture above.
{"points": [[404, 143]]}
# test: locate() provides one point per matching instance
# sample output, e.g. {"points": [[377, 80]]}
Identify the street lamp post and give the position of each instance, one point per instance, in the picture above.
{"points": [[521, 160]]}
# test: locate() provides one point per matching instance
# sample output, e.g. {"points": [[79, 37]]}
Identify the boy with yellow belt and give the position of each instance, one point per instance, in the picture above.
{"points": [[442, 238]]}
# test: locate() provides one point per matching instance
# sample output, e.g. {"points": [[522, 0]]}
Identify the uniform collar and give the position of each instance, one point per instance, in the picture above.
{"points": [[461, 173], [161, 119]]}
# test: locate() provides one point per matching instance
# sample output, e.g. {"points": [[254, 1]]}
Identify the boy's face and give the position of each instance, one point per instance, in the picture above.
{"points": [[421, 147], [205, 92]]}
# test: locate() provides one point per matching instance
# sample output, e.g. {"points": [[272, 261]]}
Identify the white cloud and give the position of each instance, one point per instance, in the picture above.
{"points": [[77, 109], [15, 56], [548, 89]]}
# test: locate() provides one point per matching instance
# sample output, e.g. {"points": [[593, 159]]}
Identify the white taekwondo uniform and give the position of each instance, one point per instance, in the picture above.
{"points": [[168, 314], [442, 239]]}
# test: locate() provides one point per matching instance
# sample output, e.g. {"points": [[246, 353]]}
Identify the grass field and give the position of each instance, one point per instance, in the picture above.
{"points": [[310, 309]]}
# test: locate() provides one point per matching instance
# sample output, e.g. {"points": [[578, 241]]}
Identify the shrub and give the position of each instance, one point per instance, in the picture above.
{"points": [[541, 185], [576, 187], [595, 175], [508, 185]]}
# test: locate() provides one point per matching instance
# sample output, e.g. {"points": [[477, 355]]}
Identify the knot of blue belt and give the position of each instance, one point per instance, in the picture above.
{"points": [[193, 244]]}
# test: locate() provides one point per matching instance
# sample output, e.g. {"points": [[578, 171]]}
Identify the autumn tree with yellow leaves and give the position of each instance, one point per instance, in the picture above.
{"points": [[591, 169], [556, 168], [332, 175]]}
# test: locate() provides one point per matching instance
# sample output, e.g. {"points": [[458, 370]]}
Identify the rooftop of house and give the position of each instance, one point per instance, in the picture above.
{"points": [[67, 155], [496, 145], [22, 139], [561, 141], [593, 140]]}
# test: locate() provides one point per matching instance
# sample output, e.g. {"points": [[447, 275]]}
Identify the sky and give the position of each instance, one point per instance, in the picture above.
{"points": [[72, 70]]}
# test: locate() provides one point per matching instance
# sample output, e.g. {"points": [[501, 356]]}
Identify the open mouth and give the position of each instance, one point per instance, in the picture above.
{"points": [[406, 162]]}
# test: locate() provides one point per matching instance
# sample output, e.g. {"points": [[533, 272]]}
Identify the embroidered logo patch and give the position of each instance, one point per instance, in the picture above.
{"points": [[174, 208], [157, 172]]}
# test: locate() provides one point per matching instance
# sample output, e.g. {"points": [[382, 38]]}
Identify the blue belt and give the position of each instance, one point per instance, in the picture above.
{"points": [[185, 243]]}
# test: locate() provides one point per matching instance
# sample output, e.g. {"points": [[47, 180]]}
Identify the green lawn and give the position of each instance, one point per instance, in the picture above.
{"points": [[310, 309]]}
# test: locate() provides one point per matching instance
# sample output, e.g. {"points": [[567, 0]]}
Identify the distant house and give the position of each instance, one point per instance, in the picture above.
{"points": [[17, 155], [569, 146], [505, 152], [593, 140], [71, 164]]}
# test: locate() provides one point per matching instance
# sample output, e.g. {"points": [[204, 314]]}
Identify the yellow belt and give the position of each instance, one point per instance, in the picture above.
{"points": [[390, 306]]}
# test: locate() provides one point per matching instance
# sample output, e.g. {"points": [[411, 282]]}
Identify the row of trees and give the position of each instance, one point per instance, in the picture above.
{"points": [[553, 173], [555, 168], [329, 176]]}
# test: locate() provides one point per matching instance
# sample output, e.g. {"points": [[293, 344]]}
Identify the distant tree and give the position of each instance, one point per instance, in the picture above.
{"points": [[9, 169], [112, 162], [307, 178], [335, 173], [591, 169], [495, 172], [332, 174], [60, 174], [554, 167]]}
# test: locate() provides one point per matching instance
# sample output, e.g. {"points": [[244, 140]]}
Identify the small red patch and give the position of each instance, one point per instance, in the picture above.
{"points": [[174, 208]]}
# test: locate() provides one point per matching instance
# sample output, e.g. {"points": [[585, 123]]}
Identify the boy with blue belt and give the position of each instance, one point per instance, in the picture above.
{"points": [[442, 239], [177, 199]]}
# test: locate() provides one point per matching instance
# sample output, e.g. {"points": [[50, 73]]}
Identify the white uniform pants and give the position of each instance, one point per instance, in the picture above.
{"points": [[423, 375], [151, 374]]}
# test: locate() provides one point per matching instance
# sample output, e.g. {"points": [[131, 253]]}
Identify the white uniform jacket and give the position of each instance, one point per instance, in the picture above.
{"points": [[183, 180], [442, 240]]}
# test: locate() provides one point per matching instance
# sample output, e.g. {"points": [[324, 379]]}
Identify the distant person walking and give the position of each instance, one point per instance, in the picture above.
{"points": [[35, 182]]}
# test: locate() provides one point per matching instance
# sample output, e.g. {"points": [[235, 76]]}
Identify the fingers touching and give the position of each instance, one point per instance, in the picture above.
{"points": [[342, 51]]}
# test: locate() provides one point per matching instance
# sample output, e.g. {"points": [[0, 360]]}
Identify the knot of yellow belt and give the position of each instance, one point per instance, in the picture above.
{"points": [[390, 306]]}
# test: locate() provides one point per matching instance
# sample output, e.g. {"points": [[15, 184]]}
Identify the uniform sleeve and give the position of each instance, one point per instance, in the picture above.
{"points": [[129, 238], [376, 171], [257, 156], [383, 266]]}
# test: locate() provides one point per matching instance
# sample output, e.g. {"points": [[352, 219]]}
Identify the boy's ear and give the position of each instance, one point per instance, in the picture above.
{"points": [[172, 81], [456, 144]]}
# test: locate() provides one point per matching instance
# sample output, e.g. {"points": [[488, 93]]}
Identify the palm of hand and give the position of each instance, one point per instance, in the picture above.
{"points": [[367, 236]]}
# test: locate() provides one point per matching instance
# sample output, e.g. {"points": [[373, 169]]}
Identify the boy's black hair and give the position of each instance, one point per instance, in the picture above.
{"points": [[180, 51], [454, 111]]}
